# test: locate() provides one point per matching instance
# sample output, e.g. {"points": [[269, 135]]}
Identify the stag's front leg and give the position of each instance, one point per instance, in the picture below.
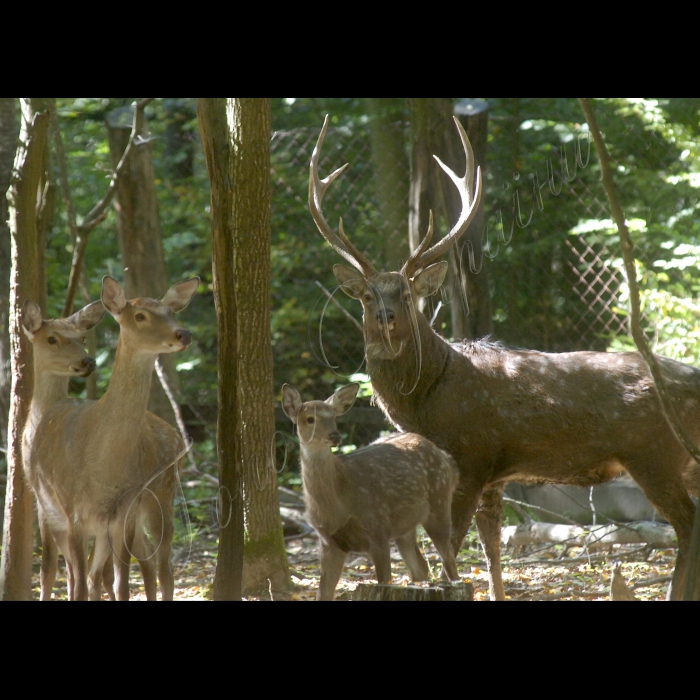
{"points": [[489, 521], [77, 548]]}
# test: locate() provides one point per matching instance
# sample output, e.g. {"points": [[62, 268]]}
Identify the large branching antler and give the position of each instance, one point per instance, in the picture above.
{"points": [[317, 190], [422, 257]]}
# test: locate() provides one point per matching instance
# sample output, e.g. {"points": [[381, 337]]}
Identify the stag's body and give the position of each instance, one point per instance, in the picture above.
{"points": [[513, 415], [362, 501], [91, 460]]}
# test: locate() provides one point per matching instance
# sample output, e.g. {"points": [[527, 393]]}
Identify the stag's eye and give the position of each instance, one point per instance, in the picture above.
{"points": [[310, 420], [52, 341], [369, 298], [140, 317]]}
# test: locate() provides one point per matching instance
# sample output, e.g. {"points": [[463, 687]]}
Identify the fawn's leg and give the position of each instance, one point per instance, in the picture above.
{"points": [[332, 562], [380, 551], [413, 558]]}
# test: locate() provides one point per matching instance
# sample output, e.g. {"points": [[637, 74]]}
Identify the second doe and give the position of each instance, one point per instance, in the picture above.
{"points": [[362, 501]]}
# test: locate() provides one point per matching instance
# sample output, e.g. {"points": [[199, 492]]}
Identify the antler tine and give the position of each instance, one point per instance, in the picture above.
{"points": [[410, 267], [470, 205], [317, 190]]}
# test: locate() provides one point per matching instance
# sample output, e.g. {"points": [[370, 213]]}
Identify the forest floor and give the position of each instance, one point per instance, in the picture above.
{"points": [[536, 577]]}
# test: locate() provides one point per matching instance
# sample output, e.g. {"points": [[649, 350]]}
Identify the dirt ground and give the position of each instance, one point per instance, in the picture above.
{"points": [[539, 576]]}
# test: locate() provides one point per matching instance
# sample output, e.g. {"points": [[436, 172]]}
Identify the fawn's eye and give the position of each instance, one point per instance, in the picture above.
{"points": [[140, 317], [52, 341]]}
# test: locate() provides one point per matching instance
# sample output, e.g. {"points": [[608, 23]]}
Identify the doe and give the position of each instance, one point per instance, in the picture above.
{"points": [[361, 501]]}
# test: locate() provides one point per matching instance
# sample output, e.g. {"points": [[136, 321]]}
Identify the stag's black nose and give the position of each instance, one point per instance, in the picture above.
{"points": [[335, 439], [386, 316], [89, 365], [184, 337]]}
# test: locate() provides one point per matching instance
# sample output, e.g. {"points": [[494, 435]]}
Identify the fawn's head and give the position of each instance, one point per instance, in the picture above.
{"points": [[147, 325], [316, 420], [389, 298], [59, 344]]}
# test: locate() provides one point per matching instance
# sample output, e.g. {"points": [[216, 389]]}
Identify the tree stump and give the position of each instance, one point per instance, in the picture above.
{"points": [[460, 592]]}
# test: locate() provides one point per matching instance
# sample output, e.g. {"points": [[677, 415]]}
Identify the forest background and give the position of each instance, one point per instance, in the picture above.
{"points": [[552, 273]]}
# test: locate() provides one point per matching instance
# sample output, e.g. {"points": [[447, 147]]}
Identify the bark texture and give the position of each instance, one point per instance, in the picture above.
{"points": [[249, 121], [390, 167], [218, 149], [140, 235], [25, 283], [463, 592], [236, 134], [9, 132]]}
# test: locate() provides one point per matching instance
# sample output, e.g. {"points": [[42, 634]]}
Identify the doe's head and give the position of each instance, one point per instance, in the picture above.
{"points": [[148, 325], [316, 420], [59, 344]]}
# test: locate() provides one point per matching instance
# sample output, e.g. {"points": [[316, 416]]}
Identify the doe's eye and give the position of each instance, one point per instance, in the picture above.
{"points": [[52, 341], [140, 317]]}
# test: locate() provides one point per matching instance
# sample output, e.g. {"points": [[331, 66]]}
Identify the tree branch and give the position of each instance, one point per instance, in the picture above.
{"points": [[667, 405], [99, 211]]}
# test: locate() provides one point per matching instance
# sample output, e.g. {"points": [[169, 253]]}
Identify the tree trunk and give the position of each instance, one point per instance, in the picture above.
{"points": [[140, 235], [390, 168], [463, 592], [25, 283], [217, 141], [9, 133], [265, 552], [179, 142], [240, 171], [478, 323]]}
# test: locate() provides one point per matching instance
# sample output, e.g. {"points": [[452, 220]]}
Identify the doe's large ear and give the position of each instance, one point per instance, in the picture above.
{"points": [[86, 319], [430, 280], [291, 401], [181, 294], [31, 317], [113, 296], [351, 281], [343, 399]]}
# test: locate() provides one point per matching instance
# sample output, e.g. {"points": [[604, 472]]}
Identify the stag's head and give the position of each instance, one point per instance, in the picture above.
{"points": [[389, 299]]}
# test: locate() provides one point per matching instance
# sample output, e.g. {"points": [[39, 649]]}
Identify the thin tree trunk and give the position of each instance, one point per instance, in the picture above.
{"points": [[248, 260], [265, 553], [218, 145], [390, 169], [140, 235], [25, 283], [692, 580], [9, 133]]}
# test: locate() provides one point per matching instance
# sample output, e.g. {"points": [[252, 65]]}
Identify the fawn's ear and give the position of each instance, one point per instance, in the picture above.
{"points": [[113, 296], [343, 399], [180, 295], [86, 319], [350, 281], [291, 401], [430, 280], [31, 318]]}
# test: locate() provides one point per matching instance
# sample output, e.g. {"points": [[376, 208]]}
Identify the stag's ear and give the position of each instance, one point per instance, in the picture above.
{"points": [[180, 295], [113, 296], [31, 318], [351, 281], [343, 399], [86, 319], [430, 280], [291, 401]]}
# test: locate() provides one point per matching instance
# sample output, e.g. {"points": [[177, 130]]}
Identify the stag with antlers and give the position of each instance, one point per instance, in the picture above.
{"points": [[512, 415]]}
